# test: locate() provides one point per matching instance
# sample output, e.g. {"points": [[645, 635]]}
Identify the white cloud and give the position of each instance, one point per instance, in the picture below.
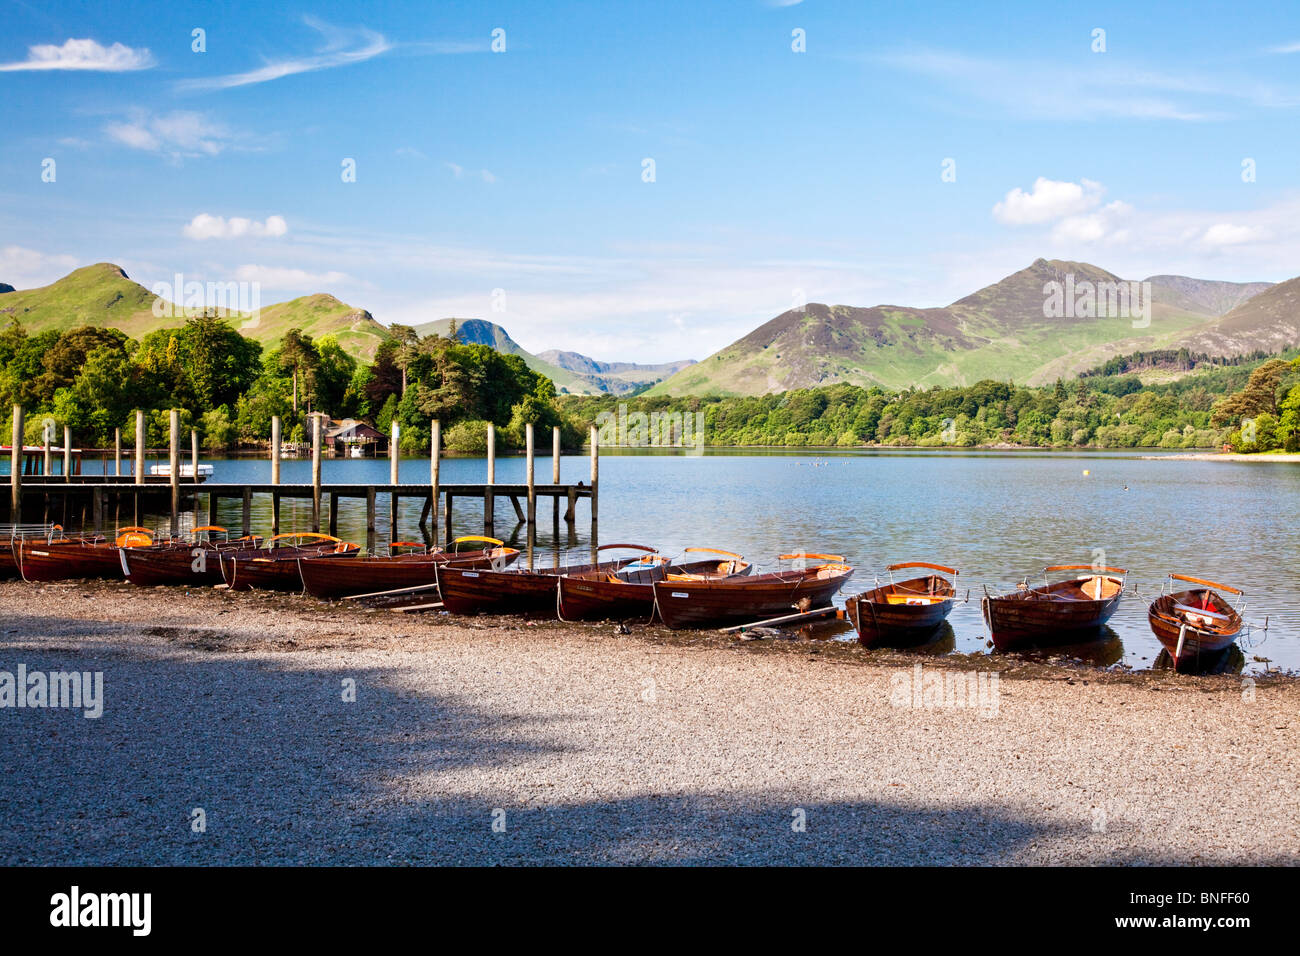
{"points": [[1286, 48], [460, 172], [178, 134], [1227, 234], [27, 268], [1106, 223], [205, 226], [276, 277], [341, 48], [1047, 200], [83, 55]]}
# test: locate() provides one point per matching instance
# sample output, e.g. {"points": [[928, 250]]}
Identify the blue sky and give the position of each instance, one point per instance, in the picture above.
{"points": [[780, 176]]}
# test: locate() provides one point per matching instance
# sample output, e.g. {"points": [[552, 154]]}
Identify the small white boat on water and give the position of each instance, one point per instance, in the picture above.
{"points": [[187, 471]]}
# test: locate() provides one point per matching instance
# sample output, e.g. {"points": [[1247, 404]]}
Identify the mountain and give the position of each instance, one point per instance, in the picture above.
{"points": [[617, 378], [104, 295], [482, 332], [1268, 321], [1002, 331]]}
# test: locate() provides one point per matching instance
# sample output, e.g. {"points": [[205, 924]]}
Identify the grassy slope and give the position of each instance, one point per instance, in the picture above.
{"points": [[102, 295], [998, 332]]}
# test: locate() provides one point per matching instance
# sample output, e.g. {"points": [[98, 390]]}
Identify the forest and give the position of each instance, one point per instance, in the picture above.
{"points": [[91, 379]]}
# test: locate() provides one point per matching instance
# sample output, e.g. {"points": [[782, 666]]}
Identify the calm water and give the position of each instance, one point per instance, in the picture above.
{"points": [[997, 516]]}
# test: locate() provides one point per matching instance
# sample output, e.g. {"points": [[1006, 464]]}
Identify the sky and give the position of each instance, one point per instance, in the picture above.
{"points": [[646, 181]]}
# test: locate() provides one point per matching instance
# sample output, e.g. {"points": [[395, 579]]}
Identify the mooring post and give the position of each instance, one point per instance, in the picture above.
{"points": [[275, 473], [315, 471], [117, 452], [194, 471], [532, 491], [489, 497], [394, 462], [67, 453], [139, 459], [529, 450], [555, 475], [16, 469], [246, 525], [595, 480], [174, 469], [370, 517], [435, 453], [47, 435]]}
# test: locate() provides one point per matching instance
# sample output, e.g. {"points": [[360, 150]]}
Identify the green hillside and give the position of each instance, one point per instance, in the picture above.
{"points": [[103, 295], [999, 332]]}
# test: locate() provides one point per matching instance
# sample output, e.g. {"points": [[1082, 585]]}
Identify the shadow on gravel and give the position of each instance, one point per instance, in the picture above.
{"points": [[287, 772]]}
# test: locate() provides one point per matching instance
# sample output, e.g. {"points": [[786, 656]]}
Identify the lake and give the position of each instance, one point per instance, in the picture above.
{"points": [[997, 516]]}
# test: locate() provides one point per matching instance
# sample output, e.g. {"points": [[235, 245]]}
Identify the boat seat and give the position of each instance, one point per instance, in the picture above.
{"points": [[1200, 612]]}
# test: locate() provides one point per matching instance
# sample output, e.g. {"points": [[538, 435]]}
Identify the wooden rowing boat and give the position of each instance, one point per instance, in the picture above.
{"points": [[629, 591], [1060, 612], [903, 613], [517, 590], [81, 556], [1195, 625], [345, 576], [700, 603], [275, 567], [196, 562]]}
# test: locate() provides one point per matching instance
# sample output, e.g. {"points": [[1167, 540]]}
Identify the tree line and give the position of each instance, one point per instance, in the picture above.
{"points": [[228, 387]]}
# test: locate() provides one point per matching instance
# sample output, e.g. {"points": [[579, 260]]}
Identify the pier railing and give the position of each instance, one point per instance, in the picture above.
{"points": [[91, 498]]}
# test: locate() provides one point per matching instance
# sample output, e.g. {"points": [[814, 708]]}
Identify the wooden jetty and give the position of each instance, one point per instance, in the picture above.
{"points": [[94, 497]]}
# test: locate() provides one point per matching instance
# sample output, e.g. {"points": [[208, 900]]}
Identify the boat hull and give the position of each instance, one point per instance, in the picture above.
{"points": [[192, 565], [598, 598], [1039, 617], [476, 591], [271, 571], [687, 604], [882, 622], [1202, 646], [336, 578], [63, 561]]}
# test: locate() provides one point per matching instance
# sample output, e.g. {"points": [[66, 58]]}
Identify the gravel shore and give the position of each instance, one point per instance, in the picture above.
{"points": [[585, 746]]}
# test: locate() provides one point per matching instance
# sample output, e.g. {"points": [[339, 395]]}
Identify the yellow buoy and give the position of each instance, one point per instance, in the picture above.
{"points": [[1086, 472]]}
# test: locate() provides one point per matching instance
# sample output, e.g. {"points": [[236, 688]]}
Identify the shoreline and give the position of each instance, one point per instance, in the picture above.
{"points": [[601, 747]]}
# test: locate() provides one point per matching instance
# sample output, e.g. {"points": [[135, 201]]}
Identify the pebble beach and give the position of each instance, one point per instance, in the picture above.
{"points": [[259, 728]]}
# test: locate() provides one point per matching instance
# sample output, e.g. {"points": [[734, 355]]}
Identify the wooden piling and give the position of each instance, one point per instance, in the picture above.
{"points": [[489, 497], [67, 453], [246, 525], [275, 473], [117, 452], [315, 471], [394, 463], [174, 460], [529, 450], [16, 469], [595, 480], [435, 454], [555, 475], [140, 432]]}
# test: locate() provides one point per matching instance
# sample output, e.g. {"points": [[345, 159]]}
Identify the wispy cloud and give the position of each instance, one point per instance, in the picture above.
{"points": [[1106, 90], [1286, 48], [460, 172], [25, 268], [205, 226], [342, 47], [83, 54], [278, 277], [182, 133]]}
